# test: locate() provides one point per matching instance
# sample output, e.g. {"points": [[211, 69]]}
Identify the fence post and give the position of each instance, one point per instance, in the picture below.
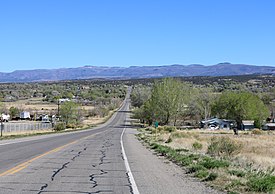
{"points": [[2, 128]]}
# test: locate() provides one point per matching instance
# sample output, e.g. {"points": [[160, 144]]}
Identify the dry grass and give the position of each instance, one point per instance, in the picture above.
{"points": [[28, 132], [257, 149], [37, 105], [251, 163]]}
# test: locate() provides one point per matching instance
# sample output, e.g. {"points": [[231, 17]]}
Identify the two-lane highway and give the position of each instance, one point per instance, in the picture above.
{"points": [[71, 162], [100, 160]]}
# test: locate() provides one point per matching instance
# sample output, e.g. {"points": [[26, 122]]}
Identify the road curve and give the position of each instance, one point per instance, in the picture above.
{"points": [[100, 160]]}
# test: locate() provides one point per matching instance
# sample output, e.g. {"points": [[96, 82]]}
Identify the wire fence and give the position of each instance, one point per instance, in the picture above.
{"points": [[24, 127]]}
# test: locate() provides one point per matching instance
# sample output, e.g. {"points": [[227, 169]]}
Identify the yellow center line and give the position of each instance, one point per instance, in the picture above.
{"points": [[27, 163]]}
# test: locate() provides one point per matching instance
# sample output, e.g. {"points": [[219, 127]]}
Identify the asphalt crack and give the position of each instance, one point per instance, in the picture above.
{"points": [[42, 188], [129, 185], [103, 151], [58, 170], [92, 177]]}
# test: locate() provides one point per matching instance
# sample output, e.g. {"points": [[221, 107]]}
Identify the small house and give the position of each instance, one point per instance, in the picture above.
{"points": [[216, 123], [25, 115]]}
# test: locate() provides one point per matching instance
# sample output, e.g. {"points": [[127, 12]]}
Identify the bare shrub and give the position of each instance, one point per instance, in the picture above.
{"points": [[223, 147]]}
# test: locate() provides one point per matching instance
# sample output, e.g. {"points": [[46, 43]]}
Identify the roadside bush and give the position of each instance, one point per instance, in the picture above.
{"points": [[223, 147], [59, 126]]}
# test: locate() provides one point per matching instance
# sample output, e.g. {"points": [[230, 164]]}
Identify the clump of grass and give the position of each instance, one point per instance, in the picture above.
{"points": [[149, 128], [202, 174], [179, 135], [232, 192], [223, 147], [211, 177], [169, 140], [170, 129], [237, 173], [211, 163], [197, 146], [234, 184], [257, 132], [193, 168], [261, 182], [182, 150]]}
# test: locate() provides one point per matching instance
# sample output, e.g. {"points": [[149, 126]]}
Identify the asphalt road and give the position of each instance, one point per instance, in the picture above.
{"points": [[106, 159]]}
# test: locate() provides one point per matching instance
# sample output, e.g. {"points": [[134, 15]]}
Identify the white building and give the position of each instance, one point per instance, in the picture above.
{"points": [[25, 115]]}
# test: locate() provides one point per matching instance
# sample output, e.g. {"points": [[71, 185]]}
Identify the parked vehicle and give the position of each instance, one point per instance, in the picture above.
{"points": [[5, 117]]}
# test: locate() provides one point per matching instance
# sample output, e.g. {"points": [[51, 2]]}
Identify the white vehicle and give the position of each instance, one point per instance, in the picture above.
{"points": [[5, 117], [45, 119]]}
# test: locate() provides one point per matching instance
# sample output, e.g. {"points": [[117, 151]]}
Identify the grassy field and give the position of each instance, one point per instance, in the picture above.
{"points": [[256, 148], [236, 164], [37, 105]]}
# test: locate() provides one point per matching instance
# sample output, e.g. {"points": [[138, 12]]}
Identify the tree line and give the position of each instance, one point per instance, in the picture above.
{"points": [[171, 101]]}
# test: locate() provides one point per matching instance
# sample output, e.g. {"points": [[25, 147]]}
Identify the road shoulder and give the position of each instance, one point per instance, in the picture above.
{"points": [[158, 175]]}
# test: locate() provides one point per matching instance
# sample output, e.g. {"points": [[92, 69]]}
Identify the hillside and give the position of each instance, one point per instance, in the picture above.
{"points": [[88, 72]]}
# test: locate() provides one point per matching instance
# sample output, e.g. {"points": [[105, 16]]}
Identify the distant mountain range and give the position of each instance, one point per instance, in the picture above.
{"points": [[89, 72]]}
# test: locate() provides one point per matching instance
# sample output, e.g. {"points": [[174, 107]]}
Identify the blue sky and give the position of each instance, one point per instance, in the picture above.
{"points": [[72, 33]]}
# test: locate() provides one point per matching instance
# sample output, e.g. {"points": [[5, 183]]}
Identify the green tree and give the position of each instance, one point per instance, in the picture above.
{"points": [[69, 112], [140, 95], [203, 98], [240, 106], [167, 100], [13, 111]]}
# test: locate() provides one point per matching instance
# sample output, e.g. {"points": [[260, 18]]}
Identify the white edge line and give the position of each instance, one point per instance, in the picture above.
{"points": [[129, 172]]}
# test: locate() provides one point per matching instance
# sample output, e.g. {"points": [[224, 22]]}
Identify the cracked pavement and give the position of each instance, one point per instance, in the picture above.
{"points": [[92, 165], [91, 162]]}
